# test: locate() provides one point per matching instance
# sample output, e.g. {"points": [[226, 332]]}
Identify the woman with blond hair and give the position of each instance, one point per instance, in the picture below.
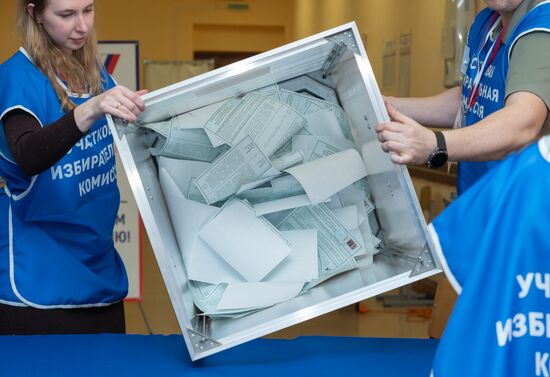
{"points": [[59, 270]]}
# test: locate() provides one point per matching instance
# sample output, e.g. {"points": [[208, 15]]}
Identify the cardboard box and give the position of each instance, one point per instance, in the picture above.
{"points": [[444, 302]]}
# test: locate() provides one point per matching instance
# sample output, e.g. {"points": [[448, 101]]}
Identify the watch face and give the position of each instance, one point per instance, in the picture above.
{"points": [[437, 159]]}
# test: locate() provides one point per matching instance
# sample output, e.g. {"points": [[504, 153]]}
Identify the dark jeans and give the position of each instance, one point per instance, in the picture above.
{"points": [[16, 320]]}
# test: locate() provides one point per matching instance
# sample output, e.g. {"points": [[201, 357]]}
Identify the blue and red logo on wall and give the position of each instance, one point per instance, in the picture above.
{"points": [[110, 62]]}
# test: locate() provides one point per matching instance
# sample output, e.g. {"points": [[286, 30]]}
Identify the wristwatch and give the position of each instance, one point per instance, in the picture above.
{"points": [[439, 157]]}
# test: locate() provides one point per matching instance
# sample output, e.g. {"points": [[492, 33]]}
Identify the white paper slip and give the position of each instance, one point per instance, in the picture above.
{"points": [[206, 296], [185, 137], [253, 295], [199, 117], [352, 195], [287, 160], [183, 173], [324, 123], [269, 175], [365, 232], [186, 227], [272, 192], [161, 128], [301, 102], [188, 217], [186, 144], [248, 243], [335, 202], [358, 236], [348, 216], [286, 183], [268, 121], [257, 195], [327, 146], [336, 245], [281, 204], [314, 147], [277, 217], [269, 91], [215, 139], [308, 105], [301, 265], [241, 165], [337, 111], [369, 206], [375, 241], [207, 266], [325, 176], [219, 115]]}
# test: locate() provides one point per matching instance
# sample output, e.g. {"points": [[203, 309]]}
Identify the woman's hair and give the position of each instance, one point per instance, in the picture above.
{"points": [[80, 71]]}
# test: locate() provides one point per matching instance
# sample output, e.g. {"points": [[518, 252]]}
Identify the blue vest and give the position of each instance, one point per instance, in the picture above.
{"points": [[56, 247], [491, 93], [494, 246]]}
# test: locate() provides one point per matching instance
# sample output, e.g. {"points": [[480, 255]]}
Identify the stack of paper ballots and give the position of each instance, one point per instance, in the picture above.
{"points": [[267, 195]]}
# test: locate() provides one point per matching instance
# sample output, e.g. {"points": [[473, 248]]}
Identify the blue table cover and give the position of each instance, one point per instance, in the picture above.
{"points": [[157, 355]]}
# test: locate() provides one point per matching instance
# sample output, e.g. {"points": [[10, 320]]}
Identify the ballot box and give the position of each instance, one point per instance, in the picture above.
{"points": [[265, 193]]}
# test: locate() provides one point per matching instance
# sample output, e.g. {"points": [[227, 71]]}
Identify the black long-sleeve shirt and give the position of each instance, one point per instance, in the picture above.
{"points": [[35, 148]]}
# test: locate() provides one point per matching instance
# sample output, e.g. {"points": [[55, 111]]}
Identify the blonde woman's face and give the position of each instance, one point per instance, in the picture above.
{"points": [[67, 22]]}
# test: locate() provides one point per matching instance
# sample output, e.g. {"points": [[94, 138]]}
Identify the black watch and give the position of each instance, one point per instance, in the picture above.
{"points": [[439, 157]]}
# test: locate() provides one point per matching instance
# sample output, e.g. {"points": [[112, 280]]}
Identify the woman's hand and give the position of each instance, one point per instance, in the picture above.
{"points": [[119, 102]]}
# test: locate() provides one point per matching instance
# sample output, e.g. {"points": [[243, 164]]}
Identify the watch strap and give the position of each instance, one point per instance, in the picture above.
{"points": [[440, 138]]}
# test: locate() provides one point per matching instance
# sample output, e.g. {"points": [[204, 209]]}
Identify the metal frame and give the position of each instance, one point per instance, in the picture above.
{"points": [[385, 274]]}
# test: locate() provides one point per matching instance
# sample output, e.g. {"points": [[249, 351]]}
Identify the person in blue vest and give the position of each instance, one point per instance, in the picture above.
{"points": [[59, 270], [494, 247], [502, 105]]}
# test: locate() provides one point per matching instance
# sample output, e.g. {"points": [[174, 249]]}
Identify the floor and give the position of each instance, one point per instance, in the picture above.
{"points": [[154, 315]]}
